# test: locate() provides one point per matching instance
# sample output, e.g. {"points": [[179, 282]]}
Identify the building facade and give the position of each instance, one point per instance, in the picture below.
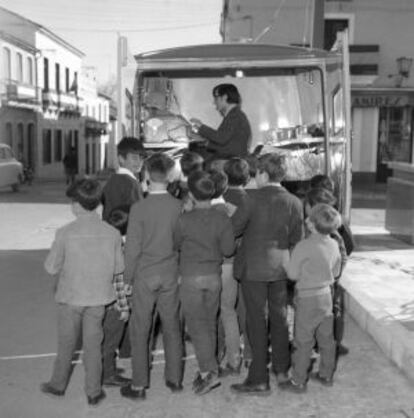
{"points": [[44, 112], [381, 53]]}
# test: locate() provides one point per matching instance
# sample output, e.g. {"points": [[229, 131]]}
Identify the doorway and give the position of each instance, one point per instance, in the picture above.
{"points": [[394, 138]]}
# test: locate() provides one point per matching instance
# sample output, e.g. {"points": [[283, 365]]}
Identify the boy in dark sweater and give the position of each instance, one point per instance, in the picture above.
{"points": [[121, 190], [151, 268], [314, 263], [203, 236], [275, 226]]}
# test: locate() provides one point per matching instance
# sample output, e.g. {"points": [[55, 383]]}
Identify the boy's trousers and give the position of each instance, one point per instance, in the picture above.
{"points": [[256, 296], [72, 320], [228, 315], [200, 300], [147, 293], [313, 318], [114, 329]]}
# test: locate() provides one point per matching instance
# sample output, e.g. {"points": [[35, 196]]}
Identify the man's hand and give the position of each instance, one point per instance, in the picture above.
{"points": [[128, 289], [195, 124], [124, 316]]}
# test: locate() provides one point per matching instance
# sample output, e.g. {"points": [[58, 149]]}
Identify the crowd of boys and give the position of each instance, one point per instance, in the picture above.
{"points": [[211, 255]]}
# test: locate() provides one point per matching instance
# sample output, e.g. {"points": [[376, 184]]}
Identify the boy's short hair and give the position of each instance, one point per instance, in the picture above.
{"points": [[274, 165], [220, 182], [322, 181], [253, 162], [130, 145], [201, 185], [85, 191], [237, 171], [191, 161], [325, 218], [159, 166], [118, 218], [320, 195]]}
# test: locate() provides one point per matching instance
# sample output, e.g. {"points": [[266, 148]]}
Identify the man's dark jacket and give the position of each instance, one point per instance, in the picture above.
{"points": [[232, 138]]}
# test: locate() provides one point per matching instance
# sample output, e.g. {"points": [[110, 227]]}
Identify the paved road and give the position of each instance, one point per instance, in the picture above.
{"points": [[366, 383]]}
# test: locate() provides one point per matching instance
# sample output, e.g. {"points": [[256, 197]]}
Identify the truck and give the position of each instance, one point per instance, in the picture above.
{"points": [[297, 100]]}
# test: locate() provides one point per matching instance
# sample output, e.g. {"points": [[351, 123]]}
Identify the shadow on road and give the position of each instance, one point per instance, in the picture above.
{"points": [[42, 192]]}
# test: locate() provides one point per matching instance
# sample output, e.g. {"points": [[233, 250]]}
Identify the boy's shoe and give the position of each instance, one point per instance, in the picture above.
{"points": [[96, 400], [292, 386], [134, 394], [174, 387], [209, 382], [197, 380], [326, 381], [49, 390], [247, 388], [116, 380], [341, 350], [229, 370]]}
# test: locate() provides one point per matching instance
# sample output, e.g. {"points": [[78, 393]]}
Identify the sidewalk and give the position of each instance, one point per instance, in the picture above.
{"points": [[379, 280]]}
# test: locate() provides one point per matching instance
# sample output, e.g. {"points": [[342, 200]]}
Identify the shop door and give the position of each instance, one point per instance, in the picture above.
{"points": [[394, 138]]}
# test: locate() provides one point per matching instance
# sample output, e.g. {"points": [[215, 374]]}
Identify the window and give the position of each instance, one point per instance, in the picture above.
{"points": [[99, 112], [47, 146], [29, 70], [57, 146], [7, 63], [20, 140], [86, 110], [57, 77], [46, 74], [332, 26], [338, 112], [68, 140], [9, 134], [67, 79], [19, 63]]}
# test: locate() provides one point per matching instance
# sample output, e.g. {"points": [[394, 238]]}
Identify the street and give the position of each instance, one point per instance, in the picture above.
{"points": [[366, 385]]}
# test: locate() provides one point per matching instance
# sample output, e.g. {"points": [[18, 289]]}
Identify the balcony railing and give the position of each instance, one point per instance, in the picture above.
{"points": [[19, 94], [65, 103]]}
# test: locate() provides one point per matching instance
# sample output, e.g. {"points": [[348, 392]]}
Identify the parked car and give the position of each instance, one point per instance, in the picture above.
{"points": [[11, 170]]}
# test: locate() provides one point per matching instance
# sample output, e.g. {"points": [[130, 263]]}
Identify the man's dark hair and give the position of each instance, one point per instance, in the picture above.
{"points": [[158, 166], [118, 218], [253, 162], [130, 145], [322, 181], [87, 192], [191, 161], [274, 165], [237, 171], [220, 182], [201, 185], [230, 90], [320, 195]]}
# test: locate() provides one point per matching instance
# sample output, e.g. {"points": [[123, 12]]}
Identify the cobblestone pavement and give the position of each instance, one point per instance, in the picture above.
{"points": [[366, 385]]}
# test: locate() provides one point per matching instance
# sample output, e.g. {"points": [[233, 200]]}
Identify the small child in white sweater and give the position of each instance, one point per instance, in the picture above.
{"points": [[314, 263]]}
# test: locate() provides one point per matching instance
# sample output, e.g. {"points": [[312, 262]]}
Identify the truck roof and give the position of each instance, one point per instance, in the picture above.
{"points": [[230, 52]]}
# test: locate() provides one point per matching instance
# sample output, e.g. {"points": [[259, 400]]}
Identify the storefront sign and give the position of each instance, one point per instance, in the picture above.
{"points": [[382, 101]]}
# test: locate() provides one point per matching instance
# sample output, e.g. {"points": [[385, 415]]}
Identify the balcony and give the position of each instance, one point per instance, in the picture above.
{"points": [[364, 61], [19, 94]]}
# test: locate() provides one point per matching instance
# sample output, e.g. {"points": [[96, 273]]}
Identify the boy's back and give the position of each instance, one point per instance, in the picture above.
{"points": [[275, 223], [149, 244], [120, 190], [204, 236], [314, 264], [86, 253]]}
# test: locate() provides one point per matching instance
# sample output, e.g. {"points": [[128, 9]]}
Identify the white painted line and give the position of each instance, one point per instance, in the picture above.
{"points": [[45, 355]]}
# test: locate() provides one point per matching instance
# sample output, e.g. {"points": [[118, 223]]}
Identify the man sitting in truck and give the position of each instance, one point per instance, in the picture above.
{"points": [[232, 138]]}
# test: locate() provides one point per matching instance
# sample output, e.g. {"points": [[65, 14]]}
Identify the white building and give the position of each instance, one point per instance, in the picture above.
{"points": [[43, 72]]}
